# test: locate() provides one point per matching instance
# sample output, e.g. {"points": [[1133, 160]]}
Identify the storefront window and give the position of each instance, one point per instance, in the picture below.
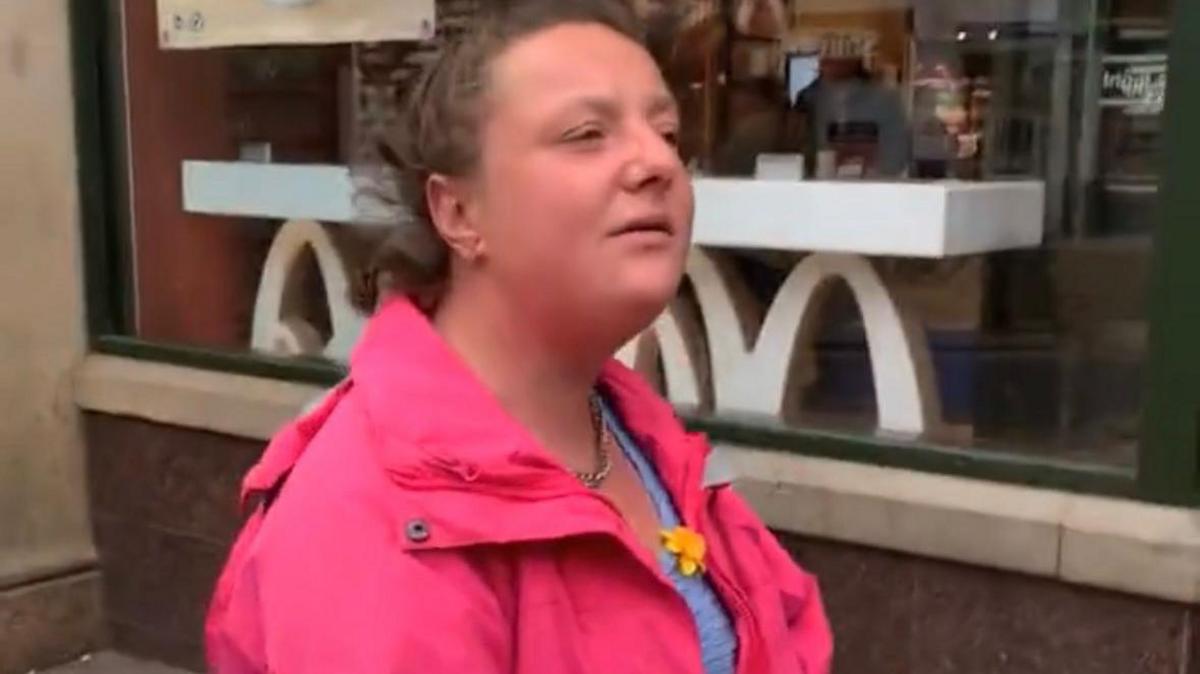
{"points": [[200, 245], [1037, 348]]}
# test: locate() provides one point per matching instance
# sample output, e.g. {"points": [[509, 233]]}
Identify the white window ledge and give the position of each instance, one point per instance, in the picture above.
{"points": [[1101, 542]]}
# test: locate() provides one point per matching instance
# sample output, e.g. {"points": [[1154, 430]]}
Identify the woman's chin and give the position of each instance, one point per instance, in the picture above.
{"points": [[638, 305], [648, 283]]}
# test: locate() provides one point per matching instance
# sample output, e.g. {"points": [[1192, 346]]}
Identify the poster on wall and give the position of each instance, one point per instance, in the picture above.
{"points": [[195, 24]]}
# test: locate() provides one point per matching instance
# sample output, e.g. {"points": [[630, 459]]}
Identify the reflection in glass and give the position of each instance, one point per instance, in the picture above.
{"points": [[1038, 350]]}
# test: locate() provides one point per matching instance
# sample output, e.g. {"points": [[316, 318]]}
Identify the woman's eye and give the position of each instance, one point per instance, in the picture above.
{"points": [[672, 138], [584, 134]]}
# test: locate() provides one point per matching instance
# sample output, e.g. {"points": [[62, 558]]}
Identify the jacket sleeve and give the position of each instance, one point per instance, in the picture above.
{"points": [[311, 600]]}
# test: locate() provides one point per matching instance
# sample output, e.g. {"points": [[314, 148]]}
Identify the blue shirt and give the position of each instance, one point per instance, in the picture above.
{"points": [[718, 642]]}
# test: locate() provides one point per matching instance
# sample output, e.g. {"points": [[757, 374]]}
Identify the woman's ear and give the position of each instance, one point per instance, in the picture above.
{"points": [[452, 216]]}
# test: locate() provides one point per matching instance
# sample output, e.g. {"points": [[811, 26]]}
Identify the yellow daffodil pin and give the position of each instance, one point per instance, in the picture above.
{"points": [[688, 547]]}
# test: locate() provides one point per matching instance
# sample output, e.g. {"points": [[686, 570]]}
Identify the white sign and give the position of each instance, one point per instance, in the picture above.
{"points": [[1137, 84], [192, 24]]}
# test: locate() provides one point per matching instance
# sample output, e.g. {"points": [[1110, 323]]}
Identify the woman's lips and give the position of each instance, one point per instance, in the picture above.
{"points": [[660, 226]]}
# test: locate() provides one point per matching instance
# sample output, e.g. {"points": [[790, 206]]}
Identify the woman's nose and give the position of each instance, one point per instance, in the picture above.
{"points": [[653, 162]]}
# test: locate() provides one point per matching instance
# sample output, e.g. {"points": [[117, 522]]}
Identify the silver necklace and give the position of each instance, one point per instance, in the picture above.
{"points": [[593, 479]]}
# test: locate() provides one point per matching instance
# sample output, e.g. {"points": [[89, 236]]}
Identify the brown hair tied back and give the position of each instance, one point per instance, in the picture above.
{"points": [[439, 133]]}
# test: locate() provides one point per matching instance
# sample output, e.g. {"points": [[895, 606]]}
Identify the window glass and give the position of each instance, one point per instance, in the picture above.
{"points": [[1018, 113]]}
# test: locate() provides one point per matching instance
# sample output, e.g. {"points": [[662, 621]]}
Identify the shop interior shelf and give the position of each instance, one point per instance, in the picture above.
{"points": [[928, 219]]}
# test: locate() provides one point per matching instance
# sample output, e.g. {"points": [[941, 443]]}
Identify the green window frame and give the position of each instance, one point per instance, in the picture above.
{"points": [[1168, 469]]}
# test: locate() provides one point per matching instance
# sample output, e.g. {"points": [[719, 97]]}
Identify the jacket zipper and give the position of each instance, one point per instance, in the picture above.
{"points": [[623, 533], [744, 620]]}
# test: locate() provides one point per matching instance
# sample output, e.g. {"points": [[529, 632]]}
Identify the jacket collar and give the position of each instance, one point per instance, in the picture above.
{"points": [[440, 430]]}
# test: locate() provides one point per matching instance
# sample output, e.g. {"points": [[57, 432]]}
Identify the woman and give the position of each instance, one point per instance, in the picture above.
{"points": [[488, 491]]}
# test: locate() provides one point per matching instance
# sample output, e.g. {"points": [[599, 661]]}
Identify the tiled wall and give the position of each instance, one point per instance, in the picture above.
{"points": [[164, 505]]}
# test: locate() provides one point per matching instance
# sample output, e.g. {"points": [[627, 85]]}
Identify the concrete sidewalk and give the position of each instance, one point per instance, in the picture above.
{"points": [[112, 663]]}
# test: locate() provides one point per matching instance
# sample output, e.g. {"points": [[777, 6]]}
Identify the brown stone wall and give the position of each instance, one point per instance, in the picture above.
{"points": [[898, 614], [164, 510], [50, 621], [164, 505]]}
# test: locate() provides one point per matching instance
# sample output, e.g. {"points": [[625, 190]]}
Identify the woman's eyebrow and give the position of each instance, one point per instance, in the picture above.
{"points": [[607, 108], [662, 104], [598, 105]]}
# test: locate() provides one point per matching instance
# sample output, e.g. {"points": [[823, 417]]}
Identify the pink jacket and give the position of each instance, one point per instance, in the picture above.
{"points": [[423, 530]]}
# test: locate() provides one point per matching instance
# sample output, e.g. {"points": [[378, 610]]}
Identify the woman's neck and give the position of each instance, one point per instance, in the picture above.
{"points": [[542, 387]]}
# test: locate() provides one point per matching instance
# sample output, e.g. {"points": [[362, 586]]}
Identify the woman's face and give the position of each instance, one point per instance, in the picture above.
{"points": [[581, 200]]}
